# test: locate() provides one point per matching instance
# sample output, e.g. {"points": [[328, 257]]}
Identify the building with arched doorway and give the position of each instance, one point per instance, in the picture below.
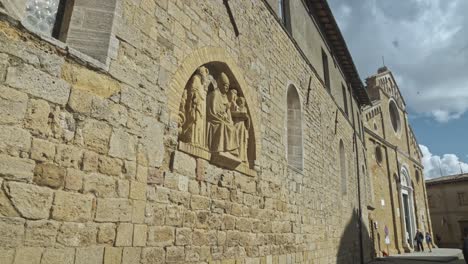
{"points": [[397, 206]]}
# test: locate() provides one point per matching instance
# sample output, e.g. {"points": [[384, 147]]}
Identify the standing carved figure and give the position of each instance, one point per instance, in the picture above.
{"points": [[195, 108], [242, 123], [222, 134]]}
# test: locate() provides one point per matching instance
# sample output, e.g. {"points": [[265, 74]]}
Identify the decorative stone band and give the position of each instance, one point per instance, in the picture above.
{"points": [[206, 155]]}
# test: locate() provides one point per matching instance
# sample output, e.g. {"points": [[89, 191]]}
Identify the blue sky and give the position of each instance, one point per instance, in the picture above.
{"points": [[425, 45]]}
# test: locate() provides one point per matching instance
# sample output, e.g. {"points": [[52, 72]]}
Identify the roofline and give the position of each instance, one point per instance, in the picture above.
{"points": [[323, 15], [448, 179]]}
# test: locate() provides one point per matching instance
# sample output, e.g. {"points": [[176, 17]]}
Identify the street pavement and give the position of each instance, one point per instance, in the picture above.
{"points": [[438, 256]]}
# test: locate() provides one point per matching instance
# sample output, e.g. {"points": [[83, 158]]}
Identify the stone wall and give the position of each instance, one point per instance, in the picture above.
{"points": [[89, 166]]}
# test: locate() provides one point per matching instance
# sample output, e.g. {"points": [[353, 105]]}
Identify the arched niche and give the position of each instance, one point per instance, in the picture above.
{"points": [[295, 149], [343, 170], [214, 118]]}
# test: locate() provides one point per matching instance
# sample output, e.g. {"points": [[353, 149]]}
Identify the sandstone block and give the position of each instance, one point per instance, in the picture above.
{"points": [[49, 174], [138, 211], [32, 202], [109, 111], [100, 185], [140, 235], [112, 255], [153, 256], [161, 236], [13, 106], [37, 117], [142, 173], [72, 207], [81, 101], [137, 190], [152, 142], [131, 255], [58, 256], [124, 235], [123, 188], [132, 98], [113, 210], [122, 145], [183, 236], [106, 233], [77, 234], [174, 254], [28, 255], [69, 156], [74, 179], [41, 233], [90, 161], [89, 255], [14, 140], [37, 83], [7, 256], [11, 231], [6, 208], [200, 202], [96, 135], [42, 150], [184, 164], [110, 166]]}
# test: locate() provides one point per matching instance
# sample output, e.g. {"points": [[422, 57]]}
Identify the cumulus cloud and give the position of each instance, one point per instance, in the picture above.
{"points": [[436, 166], [425, 44]]}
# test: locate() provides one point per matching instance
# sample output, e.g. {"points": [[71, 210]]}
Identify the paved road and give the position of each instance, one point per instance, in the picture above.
{"points": [[438, 256]]}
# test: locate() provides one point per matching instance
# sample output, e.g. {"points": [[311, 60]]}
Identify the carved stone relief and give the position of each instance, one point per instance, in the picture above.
{"points": [[214, 119]]}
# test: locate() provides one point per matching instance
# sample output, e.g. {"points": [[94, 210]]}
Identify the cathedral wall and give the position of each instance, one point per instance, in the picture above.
{"points": [[91, 169]]}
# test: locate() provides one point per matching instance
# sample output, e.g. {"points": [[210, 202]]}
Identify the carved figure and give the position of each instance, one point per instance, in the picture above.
{"points": [[232, 97], [222, 134], [194, 128], [242, 123]]}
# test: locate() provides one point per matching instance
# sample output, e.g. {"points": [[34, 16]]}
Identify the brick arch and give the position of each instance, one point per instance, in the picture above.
{"points": [[203, 56]]}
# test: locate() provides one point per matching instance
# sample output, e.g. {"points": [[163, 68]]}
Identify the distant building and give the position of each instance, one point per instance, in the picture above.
{"points": [[397, 201], [448, 202]]}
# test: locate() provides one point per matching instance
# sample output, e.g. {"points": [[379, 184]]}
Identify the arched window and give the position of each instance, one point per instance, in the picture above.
{"points": [[395, 116], [405, 180], [294, 129], [343, 172]]}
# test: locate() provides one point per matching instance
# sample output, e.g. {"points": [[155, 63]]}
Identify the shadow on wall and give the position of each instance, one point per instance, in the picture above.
{"points": [[349, 251]]}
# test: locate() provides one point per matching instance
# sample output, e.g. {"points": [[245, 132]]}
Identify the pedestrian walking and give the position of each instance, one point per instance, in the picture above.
{"points": [[429, 241], [465, 247], [419, 240]]}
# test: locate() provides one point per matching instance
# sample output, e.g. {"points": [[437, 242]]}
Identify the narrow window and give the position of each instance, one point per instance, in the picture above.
{"points": [[285, 14], [294, 129], [326, 73], [345, 100], [344, 177]]}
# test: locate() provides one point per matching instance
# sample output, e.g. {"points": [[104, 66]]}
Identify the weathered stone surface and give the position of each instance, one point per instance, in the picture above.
{"points": [[122, 145], [7, 256], [153, 256], [81, 101], [32, 202], [69, 156], [77, 234], [112, 255], [100, 185], [37, 83], [137, 190], [6, 207], [174, 254], [14, 140], [131, 255], [184, 164], [89, 255], [37, 117], [13, 105], [152, 142], [138, 215], [16, 168], [49, 174], [140, 235], [28, 255], [161, 236], [110, 166], [113, 210], [124, 235], [74, 179], [58, 256], [41, 233], [72, 207], [42, 150], [96, 135], [106, 233], [183, 236], [109, 111], [90, 81], [11, 232]]}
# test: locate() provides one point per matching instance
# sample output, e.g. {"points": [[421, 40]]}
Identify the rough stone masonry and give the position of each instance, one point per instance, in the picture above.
{"points": [[91, 165]]}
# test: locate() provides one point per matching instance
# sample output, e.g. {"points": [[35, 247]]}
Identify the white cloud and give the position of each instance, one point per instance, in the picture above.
{"points": [[436, 166]]}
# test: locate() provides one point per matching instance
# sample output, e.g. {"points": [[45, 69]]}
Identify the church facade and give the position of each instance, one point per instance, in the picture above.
{"points": [[140, 131]]}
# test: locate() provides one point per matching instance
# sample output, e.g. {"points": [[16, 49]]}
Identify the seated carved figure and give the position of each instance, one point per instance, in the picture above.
{"points": [[222, 134]]}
